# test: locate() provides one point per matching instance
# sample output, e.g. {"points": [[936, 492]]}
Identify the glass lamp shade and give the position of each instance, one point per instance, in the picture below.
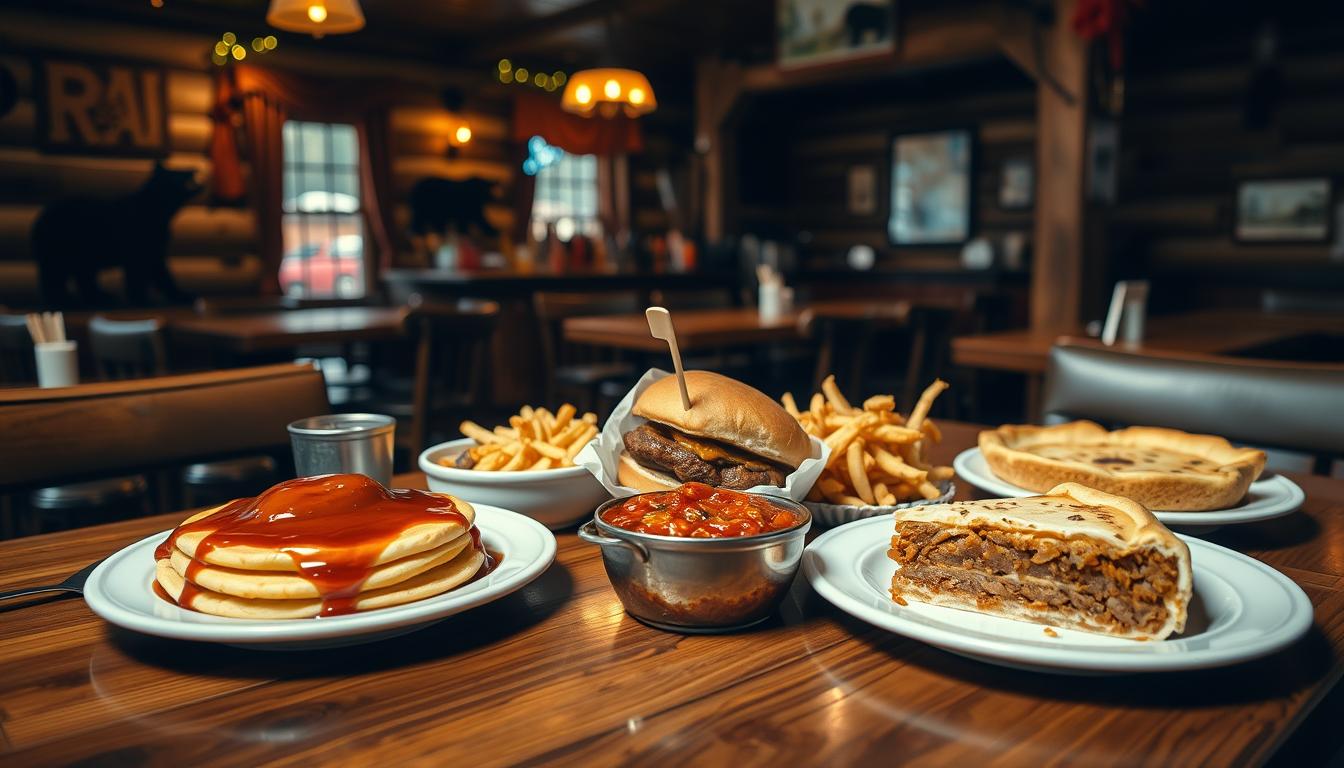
{"points": [[608, 91], [316, 17]]}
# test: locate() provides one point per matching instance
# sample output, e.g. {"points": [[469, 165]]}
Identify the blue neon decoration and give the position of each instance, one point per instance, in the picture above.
{"points": [[540, 155]]}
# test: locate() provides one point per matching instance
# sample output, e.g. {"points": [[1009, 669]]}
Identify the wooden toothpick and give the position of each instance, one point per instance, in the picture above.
{"points": [[660, 325]]}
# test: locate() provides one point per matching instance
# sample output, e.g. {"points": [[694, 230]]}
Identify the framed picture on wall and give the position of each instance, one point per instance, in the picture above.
{"points": [[1283, 210], [931, 191], [1017, 184], [861, 188], [814, 32], [98, 107]]}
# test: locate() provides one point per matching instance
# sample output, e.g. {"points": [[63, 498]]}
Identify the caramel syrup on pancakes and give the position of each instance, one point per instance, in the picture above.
{"points": [[332, 526]]}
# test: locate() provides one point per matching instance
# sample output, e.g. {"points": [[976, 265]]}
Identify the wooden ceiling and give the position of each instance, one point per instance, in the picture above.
{"points": [[651, 34]]}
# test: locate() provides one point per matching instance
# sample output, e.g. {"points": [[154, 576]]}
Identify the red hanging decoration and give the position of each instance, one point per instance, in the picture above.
{"points": [[1094, 19]]}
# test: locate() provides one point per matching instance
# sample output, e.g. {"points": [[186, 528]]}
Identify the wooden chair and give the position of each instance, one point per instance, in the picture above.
{"points": [[574, 371], [844, 342], [17, 364], [1294, 407], [452, 360], [98, 430], [127, 349]]}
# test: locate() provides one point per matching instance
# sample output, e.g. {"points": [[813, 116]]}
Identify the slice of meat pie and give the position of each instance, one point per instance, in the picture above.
{"points": [[1075, 557]]}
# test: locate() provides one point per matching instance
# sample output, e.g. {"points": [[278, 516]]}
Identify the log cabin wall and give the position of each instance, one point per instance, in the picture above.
{"points": [[212, 250], [795, 150], [1185, 144]]}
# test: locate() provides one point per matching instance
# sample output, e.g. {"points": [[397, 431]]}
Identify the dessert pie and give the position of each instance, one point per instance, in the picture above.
{"points": [[1076, 558], [1163, 469]]}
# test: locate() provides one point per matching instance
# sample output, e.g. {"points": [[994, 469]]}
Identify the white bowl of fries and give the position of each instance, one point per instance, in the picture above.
{"points": [[877, 463], [527, 467]]}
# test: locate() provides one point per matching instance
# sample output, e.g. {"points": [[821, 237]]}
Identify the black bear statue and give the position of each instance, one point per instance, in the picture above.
{"points": [[438, 205], [74, 239]]}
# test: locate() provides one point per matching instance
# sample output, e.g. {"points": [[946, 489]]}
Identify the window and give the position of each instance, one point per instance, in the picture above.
{"points": [[322, 225], [566, 196]]}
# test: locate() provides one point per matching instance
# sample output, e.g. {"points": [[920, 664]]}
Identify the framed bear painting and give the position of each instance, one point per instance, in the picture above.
{"points": [[101, 107]]}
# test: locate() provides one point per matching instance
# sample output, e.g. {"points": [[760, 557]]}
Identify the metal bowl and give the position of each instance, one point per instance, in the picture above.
{"points": [[700, 585]]}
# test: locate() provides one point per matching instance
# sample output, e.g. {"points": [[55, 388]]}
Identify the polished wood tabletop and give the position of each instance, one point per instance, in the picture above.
{"points": [[557, 673], [286, 329], [1210, 332]]}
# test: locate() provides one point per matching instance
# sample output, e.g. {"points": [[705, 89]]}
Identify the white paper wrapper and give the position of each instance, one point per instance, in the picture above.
{"points": [[831, 515], [602, 455]]}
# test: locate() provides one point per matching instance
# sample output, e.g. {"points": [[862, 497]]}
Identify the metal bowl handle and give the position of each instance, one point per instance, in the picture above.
{"points": [[589, 533]]}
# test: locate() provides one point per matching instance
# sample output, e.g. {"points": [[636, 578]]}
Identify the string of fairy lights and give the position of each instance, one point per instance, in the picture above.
{"points": [[229, 48], [510, 73]]}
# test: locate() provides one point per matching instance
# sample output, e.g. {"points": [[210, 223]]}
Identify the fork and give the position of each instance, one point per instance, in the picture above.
{"points": [[74, 583]]}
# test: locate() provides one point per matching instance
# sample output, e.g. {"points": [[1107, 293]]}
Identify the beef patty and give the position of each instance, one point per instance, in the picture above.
{"points": [[654, 447]]}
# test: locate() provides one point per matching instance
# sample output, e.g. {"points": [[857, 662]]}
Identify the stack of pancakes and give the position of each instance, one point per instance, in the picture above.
{"points": [[295, 579]]}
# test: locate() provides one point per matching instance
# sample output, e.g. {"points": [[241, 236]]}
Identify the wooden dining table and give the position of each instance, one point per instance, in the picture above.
{"points": [[558, 673], [285, 329]]}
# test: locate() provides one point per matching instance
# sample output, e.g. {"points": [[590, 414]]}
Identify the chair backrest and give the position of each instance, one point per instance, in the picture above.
{"points": [[107, 428], [552, 308], [1294, 406], [17, 364], [127, 349], [452, 358], [699, 298]]}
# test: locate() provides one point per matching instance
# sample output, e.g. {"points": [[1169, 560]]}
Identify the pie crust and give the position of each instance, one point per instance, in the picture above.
{"points": [[1162, 469]]}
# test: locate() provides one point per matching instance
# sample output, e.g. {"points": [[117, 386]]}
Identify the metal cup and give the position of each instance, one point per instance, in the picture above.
{"points": [[358, 443]]}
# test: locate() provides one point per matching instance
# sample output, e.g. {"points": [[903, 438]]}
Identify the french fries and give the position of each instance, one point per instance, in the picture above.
{"points": [[876, 453], [534, 439]]}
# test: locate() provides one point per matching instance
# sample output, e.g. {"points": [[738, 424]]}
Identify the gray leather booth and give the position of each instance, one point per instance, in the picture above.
{"points": [[1268, 404]]}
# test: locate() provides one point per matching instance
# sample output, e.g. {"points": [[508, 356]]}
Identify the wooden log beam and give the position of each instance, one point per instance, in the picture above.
{"points": [[717, 87], [1061, 153]]}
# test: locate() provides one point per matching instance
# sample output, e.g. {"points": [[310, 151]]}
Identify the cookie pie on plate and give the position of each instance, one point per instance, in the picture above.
{"points": [[1162, 469]]}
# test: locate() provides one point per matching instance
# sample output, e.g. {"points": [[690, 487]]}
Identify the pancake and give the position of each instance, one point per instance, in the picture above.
{"points": [[434, 581], [281, 549], [278, 585]]}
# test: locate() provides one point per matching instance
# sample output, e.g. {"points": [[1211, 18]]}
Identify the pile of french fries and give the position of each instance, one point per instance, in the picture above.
{"points": [[877, 455], [534, 439]]}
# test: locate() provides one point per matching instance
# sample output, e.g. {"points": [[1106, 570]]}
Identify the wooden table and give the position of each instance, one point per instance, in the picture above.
{"points": [[286, 329], [1209, 332], [557, 672]]}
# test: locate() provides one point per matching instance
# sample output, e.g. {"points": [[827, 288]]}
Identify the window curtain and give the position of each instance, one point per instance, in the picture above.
{"points": [[537, 115], [265, 99], [524, 191], [375, 179]]}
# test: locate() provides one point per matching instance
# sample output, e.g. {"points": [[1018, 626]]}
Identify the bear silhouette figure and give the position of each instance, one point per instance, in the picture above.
{"points": [[74, 239]]}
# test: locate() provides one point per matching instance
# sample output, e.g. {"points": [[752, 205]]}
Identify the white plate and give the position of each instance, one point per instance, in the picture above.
{"points": [[120, 591], [1242, 609], [1268, 497]]}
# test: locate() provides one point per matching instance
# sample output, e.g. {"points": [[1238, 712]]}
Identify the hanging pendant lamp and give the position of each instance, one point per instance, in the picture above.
{"points": [[609, 91], [316, 17]]}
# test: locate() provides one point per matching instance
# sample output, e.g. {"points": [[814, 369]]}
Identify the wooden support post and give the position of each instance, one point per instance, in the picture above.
{"points": [[717, 85], [1061, 155]]}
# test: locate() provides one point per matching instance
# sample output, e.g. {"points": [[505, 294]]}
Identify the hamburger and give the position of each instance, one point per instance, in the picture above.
{"points": [[733, 436]]}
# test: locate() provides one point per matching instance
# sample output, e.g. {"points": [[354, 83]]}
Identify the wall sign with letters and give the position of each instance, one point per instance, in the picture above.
{"points": [[100, 107]]}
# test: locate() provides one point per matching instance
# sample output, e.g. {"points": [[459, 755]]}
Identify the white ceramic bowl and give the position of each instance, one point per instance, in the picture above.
{"points": [[556, 498]]}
